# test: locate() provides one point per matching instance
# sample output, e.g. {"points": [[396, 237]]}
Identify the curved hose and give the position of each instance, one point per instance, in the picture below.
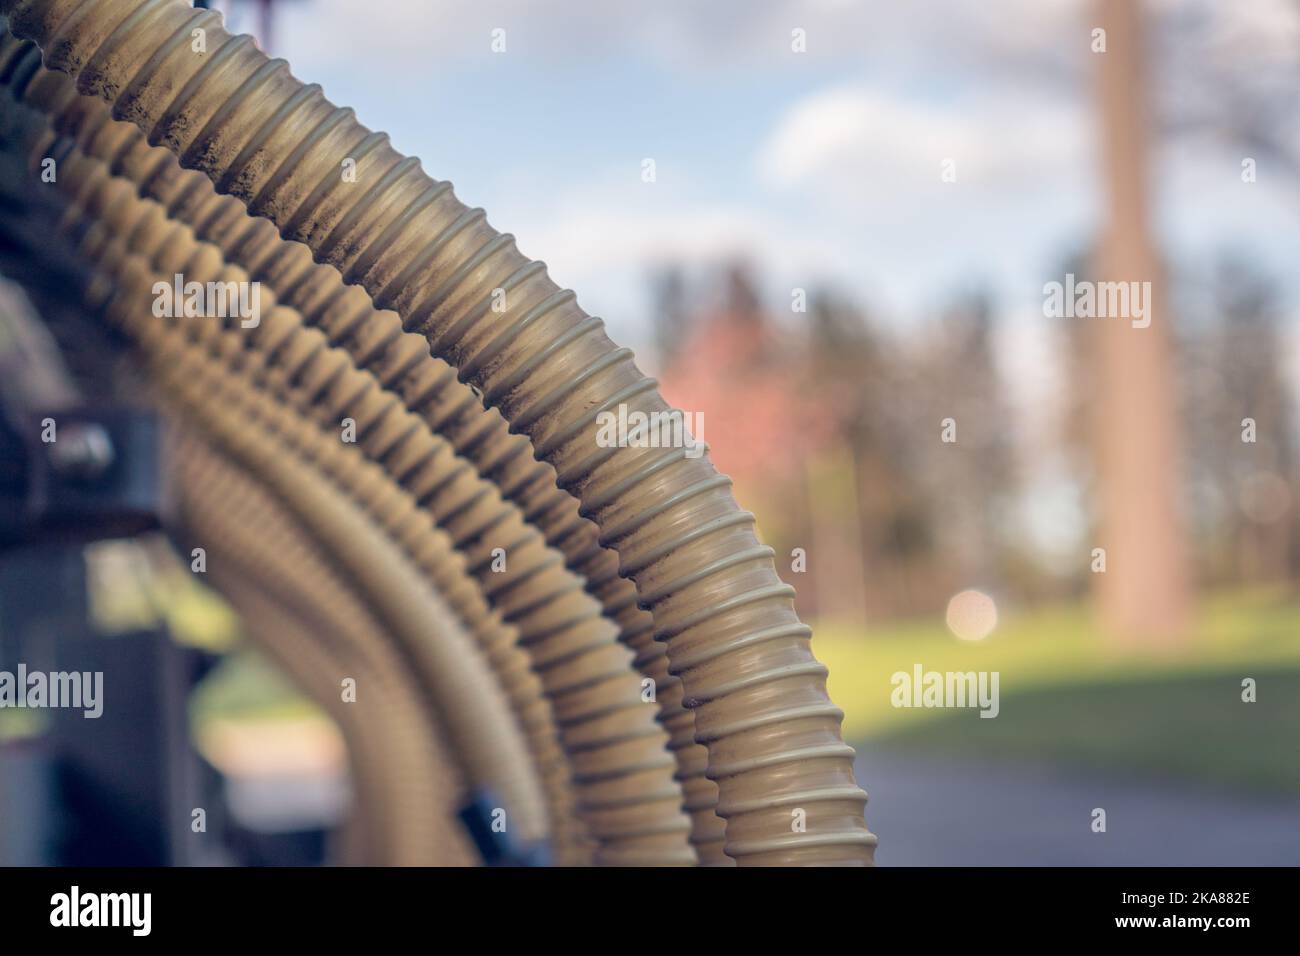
{"points": [[467, 700], [618, 764], [402, 364], [318, 630], [488, 747], [627, 791], [733, 638]]}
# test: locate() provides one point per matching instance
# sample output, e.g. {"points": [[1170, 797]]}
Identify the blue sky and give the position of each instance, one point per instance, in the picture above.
{"points": [[821, 168]]}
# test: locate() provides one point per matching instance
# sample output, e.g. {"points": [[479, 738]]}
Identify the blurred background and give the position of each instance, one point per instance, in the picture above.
{"points": [[826, 226]]}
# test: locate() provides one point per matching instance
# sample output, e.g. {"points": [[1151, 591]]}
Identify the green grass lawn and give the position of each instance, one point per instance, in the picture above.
{"points": [[1068, 696], [247, 685]]}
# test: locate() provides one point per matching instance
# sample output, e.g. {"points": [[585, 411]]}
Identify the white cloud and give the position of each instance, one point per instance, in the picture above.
{"points": [[605, 235], [835, 142]]}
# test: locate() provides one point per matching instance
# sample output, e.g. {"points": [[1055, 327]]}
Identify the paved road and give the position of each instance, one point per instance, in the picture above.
{"points": [[932, 811]]}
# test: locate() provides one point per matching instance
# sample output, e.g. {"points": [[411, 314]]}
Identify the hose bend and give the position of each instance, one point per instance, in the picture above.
{"points": [[625, 789], [310, 622], [758, 694], [467, 700], [494, 759], [625, 784], [402, 365], [367, 837], [604, 753]]}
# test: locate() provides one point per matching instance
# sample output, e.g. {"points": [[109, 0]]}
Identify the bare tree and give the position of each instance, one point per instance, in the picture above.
{"points": [[1144, 594]]}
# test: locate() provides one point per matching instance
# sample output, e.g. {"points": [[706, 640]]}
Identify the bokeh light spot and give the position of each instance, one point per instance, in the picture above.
{"points": [[972, 615]]}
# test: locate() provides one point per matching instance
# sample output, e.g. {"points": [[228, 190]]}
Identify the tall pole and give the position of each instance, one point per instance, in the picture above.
{"points": [[1144, 594]]}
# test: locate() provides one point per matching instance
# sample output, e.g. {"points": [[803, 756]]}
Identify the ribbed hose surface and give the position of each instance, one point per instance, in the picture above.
{"points": [[627, 790], [370, 836], [619, 765], [469, 705], [401, 363], [615, 768], [759, 696], [307, 619], [403, 791], [619, 779], [490, 746]]}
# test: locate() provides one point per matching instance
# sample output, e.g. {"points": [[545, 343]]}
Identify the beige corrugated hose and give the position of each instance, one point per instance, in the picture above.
{"points": [[468, 703], [626, 792], [307, 620], [401, 363], [616, 769], [758, 695]]}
